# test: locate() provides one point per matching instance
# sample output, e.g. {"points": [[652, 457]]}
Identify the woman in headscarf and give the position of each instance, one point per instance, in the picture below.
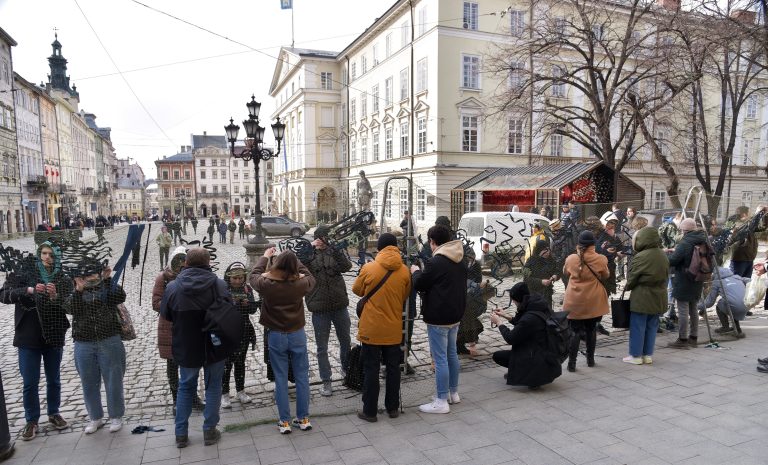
{"points": [[540, 271]]}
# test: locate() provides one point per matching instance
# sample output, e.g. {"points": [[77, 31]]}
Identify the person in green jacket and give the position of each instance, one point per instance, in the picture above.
{"points": [[164, 240], [232, 227], [647, 282]]}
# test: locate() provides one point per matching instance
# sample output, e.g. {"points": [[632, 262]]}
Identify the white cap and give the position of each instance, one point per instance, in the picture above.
{"points": [[179, 250]]}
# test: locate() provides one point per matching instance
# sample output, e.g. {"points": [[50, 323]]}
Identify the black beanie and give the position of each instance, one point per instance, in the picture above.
{"points": [[385, 240], [518, 292], [586, 238]]}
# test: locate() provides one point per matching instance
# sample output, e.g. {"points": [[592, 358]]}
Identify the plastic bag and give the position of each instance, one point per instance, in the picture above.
{"points": [[755, 291]]}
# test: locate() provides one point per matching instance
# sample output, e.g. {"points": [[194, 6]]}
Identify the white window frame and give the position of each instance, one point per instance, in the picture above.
{"points": [[404, 83], [388, 149], [421, 204], [470, 132], [403, 201], [659, 200], [558, 88], [363, 105], [363, 65], [516, 74], [517, 22], [421, 134], [388, 46], [422, 21], [405, 134], [353, 70], [405, 32], [375, 52], [470, 71], [752, 102], [556, 145], [326, 80], [470, 16], [363, 150], [388, 92], [470, 201], [352, 111], [422, 70], [516, 137], [375, 99], [375, 146], [353, 152]]}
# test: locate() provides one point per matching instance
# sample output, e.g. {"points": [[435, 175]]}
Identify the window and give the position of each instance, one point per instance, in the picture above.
{"points": [[405, 31], [363, 150], [558, 87], [165, 176], [375, 98], [470, 16], [659, 200], [353, 71], [403, 84], [515, 142], [375, 204], [388, 143], [661, 141], [188, 192], [516, 75], [353, 112], [421, 75], [237, 189], [556, 145], [223, 174], [363, 65], [353, 152], [403, 201], [187, 175], [470, 204], [560, 26], [388, 92], [517, 22], [363, 105], [388, 205], [421, 204], [176, 176], [375, 54], [746, 199], [246, 174], [752, 106], [422, 21], [214, 162], [422, 135], [404, 147], [746, 156], [375, 146], [224, 189], [202, 162], [388, 45], [203, 189], [215, 189], [176, 192], [214, 174], [597, 32], [234, 163], [235, 175], [326, 81], [469, 130], [471, 72], [247, 190]]}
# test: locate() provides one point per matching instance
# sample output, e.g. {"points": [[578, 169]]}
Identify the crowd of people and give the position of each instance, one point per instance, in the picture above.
{"points": [[192, 303]]}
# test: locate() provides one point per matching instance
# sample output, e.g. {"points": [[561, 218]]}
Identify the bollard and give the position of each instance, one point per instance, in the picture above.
{"points": [[6, 445]]}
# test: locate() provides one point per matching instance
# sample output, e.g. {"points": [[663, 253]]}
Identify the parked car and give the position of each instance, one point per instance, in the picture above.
{"points": [[282, 226], [658, 217]]}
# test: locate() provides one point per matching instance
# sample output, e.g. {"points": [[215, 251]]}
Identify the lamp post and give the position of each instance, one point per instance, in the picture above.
{"points": [[254, 151]]}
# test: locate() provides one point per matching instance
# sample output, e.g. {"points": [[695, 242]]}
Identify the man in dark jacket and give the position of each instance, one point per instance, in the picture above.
{"points": [[443, 283], [222, 228], [328, 302], [744, 248], [39, 290], [685, 290], [527, 361], [184, 304]]}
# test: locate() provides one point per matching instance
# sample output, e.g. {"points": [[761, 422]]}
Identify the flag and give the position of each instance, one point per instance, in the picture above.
{"points": [[286, 4]]}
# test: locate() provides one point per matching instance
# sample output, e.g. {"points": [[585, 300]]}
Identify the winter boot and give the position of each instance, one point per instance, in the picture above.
{"points": [[591, 342], [573, 352]]}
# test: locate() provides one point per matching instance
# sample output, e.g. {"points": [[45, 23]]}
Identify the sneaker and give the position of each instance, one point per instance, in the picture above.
{"points": [[453, 398], [243, 397], [601, 330], [693, 341], [29, 432], [723, 330], [225, 402], [763, 361], [57, 421], [762, 368], [93, 426], [647, 360], [678, 344], [284, 427], [182, 441], [393, 413], [211, 436], [303, 424], [632, 360], [327, 389], [436, 406], [370, 419], [740, 335], [115, 425]]}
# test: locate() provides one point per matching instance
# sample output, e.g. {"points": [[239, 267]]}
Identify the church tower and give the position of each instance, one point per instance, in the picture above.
{"points": [[58, 79]]}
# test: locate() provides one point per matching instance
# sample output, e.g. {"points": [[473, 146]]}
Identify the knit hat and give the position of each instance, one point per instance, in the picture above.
{"points": [[385, 240], [519, 291], [322, 231], [688, 224], [586, 238]]}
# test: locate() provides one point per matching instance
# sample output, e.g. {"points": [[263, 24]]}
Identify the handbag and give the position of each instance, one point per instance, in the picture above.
{"points": [[620, 312], [127, 331], [362, 301], [601, 281]]}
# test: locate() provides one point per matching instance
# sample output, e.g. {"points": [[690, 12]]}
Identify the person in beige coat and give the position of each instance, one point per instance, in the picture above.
{"points": [[586, 299]]}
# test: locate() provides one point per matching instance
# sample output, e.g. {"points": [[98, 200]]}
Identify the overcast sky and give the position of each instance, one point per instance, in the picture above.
{"points": [[183, 98]]}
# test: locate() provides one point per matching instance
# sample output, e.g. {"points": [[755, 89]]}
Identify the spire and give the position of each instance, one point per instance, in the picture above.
{"points": [[58, 78]]}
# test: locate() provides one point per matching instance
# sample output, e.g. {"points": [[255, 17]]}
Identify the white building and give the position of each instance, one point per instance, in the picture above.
{"points": [[129, 198], [32, 167], [212, 180]]}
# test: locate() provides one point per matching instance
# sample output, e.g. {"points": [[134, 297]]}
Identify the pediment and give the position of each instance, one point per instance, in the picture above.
{"points": [[362, 128], [471, 102], [375, 124], [421, 106], [388, 119], [403, 113]]}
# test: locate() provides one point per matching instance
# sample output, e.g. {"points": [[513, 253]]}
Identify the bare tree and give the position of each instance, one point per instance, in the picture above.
{"points": [[589, 71]]}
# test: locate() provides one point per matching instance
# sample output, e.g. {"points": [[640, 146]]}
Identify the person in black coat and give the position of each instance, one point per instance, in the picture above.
{"points": [[527, 362]]}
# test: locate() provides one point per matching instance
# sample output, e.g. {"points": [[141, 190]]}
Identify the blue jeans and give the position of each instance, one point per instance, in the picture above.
{"points": [[281, 346], [742, 268], [642, 333], [214, 375], [322, 324], [442, 345], [29, 366], [104, 359]]}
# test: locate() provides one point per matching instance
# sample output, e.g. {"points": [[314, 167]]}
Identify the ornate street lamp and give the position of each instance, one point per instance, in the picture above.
{"points": [[254, 151]]}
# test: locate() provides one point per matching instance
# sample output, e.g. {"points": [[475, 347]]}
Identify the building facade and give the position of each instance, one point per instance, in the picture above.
{"points": [[11, 217], [176, 184], [129, 198], [31, 164], [212, 175]]}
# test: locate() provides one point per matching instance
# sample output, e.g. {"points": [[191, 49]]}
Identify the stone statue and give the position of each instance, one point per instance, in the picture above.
{"points": [[364, 193]]}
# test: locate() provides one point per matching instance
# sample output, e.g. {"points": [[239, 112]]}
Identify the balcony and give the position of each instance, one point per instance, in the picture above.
{"points": [[86, 191], [37, 183]]}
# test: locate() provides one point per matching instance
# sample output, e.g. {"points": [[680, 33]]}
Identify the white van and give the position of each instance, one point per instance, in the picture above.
{"points": [[509, 228]]}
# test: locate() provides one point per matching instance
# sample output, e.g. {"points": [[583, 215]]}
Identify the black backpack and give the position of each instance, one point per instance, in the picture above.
{"points": [[558, 334], [354, 377], [223, 328]]}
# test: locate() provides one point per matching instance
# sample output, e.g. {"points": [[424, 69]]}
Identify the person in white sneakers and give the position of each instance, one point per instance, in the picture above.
{"points": [[242, 296], [443, 283], [99, 350]]}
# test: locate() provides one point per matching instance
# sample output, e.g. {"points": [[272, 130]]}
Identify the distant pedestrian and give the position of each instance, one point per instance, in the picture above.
{"points": [[194, 224], [241, 228], [222, 228], [232, 227], [164, 240], [242, 296], [282, 287], [184, 304], [210, 231], [40, 326], [586, 299], [443, 283], [99, 350], [380, 330], [685, 290], [647, 279], [328, 302]]}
